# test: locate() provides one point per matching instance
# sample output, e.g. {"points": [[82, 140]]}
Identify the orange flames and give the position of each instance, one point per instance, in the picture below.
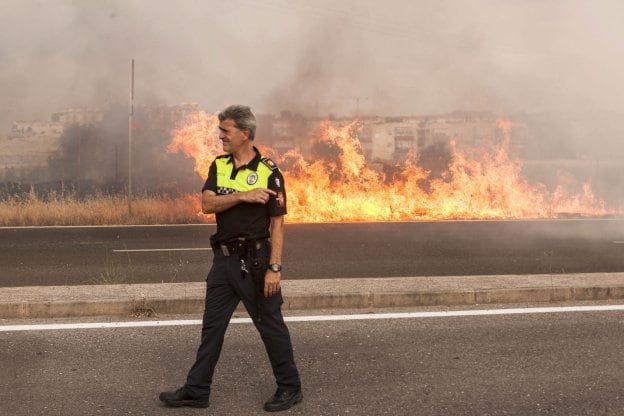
{"points": [[342, 186]]}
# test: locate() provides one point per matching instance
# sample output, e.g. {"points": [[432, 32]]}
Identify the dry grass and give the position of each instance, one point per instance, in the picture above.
{"points": [[100, 210]]}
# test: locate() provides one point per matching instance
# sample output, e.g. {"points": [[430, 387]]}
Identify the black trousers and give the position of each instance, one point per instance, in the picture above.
{"points": [[225, 289]]}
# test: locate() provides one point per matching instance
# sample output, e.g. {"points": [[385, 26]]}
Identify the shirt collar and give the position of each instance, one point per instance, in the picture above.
{"points": [[253, 163]]}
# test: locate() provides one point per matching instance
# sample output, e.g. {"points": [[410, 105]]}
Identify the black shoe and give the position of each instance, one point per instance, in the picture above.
{"points": [[283, 399], [181, 397]]}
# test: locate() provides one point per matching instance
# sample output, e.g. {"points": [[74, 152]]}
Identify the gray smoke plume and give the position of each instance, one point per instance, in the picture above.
{"points": [[398, 57]]}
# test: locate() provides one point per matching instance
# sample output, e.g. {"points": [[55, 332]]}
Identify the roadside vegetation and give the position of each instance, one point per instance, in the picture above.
{"points": [[84, 181], [31, 210]]}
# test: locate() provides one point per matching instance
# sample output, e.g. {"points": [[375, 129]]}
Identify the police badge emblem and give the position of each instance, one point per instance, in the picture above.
{"points": [[252, 178]]}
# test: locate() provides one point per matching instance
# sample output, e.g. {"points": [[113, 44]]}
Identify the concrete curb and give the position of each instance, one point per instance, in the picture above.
{"points": [[310, 294]]}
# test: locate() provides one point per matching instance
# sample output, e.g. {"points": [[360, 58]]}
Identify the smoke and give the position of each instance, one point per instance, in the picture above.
{"points": [[318, 58]]}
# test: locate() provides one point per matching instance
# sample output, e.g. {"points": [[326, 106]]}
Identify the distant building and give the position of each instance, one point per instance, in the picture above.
{"points": [[30, 142], [290, 132], [34, 128], [163, 117], [28, 146], [390, 139], [78, 116]]}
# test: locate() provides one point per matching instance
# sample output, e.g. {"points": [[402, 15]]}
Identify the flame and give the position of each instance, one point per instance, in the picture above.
{"points": [[339, 185], [195, 138]]}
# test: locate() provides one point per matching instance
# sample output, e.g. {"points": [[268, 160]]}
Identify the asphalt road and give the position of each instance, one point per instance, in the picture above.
{"points": [[554, 364], [154, 254]]}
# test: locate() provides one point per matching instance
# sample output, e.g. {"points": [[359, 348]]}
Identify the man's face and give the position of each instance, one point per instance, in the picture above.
{"points": [[232, 137]]}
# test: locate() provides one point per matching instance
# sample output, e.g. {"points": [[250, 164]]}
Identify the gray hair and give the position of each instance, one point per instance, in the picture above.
{"points": [[242, 116]]}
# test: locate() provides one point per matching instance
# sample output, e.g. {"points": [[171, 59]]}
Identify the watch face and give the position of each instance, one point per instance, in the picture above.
{"points": [[275, 267]]}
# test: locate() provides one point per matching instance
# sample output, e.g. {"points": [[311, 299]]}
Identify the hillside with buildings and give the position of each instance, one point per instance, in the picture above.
{"points": [[89, 145], [29, 144]]}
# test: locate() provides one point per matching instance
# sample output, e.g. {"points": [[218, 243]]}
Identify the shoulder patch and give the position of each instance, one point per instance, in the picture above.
{"points": [[267, 161]]}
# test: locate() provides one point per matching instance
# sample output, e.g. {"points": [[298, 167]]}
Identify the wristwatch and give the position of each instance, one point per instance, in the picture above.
{"points": [[275, 267]]}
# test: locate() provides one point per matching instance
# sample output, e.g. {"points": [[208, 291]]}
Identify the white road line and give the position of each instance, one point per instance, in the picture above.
{"points": [[618, 242], [97, 325], [161, 249], [320, 318]]}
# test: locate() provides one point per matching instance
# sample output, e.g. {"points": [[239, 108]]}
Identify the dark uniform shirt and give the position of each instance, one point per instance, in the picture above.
{"points": [[246, 220]]}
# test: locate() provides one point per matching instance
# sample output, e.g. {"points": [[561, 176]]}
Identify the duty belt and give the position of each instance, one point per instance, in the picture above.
{"points": [[239, 247]]}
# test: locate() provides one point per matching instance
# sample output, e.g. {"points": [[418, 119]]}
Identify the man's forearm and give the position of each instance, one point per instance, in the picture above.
{"points": [[213, 203], [277, 239]]}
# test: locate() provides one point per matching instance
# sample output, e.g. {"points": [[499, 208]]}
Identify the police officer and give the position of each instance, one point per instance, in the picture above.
{"points": [[246, 191]]}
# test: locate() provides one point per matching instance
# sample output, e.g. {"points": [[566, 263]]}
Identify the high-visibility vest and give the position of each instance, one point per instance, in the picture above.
{"points": [[246, 178]]}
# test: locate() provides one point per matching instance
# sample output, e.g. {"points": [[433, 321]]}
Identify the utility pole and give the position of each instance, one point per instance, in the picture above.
{"points": [[357, 102], [357, 105], [116, 166], [130, 114]]}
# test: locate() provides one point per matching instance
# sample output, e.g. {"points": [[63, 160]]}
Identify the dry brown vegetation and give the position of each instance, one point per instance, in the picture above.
{"points": [[99, 210]]}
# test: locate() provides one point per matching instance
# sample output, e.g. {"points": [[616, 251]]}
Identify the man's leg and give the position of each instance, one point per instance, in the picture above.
{"points": [[221, 301], [272, 329], [274, 334], [278, 345]]}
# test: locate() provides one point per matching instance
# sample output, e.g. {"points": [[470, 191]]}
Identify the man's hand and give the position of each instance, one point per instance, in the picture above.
{"points": [[257, 196], [272, 283]]}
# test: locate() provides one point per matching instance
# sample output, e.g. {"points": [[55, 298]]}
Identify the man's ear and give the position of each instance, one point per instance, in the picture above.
{"points": [[247, 133]]}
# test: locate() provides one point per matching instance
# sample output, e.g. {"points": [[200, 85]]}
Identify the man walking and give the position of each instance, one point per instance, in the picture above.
{"points": [[246, 191]]}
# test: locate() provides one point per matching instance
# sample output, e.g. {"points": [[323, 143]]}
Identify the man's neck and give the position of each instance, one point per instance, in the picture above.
{"points": [[243, 156]]}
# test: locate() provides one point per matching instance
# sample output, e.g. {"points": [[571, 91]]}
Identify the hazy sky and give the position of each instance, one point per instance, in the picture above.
{"points": [[398, 56]]}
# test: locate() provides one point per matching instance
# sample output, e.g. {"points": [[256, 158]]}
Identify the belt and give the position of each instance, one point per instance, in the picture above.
{"points": [[237, 247]]}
